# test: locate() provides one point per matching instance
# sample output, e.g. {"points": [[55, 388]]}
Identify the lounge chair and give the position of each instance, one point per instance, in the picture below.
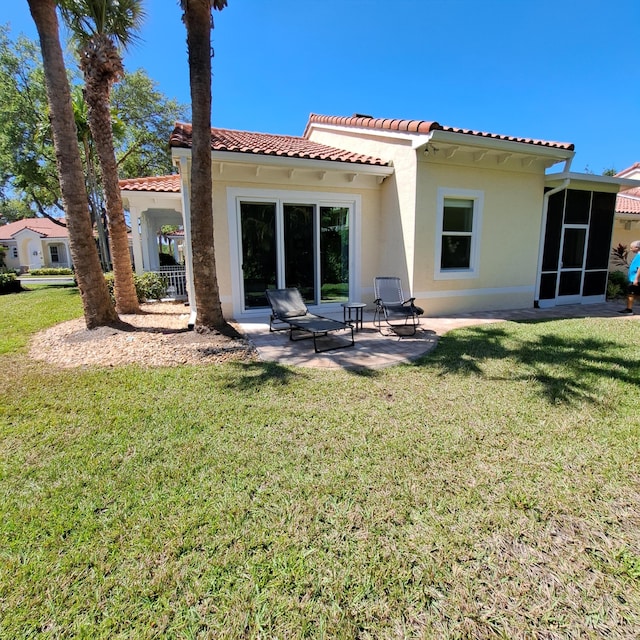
{"points": [[288, 311], [392, 306]]}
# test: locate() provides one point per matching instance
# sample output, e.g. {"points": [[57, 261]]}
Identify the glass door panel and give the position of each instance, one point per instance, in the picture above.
{"points": [[572, 265], [299, 255], [334, 254], [573, 248], [258, 228]]}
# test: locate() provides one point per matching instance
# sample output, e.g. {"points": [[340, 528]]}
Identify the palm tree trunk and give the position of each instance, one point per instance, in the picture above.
{"points": [[97, 97], [98, 310], [197, 18]]}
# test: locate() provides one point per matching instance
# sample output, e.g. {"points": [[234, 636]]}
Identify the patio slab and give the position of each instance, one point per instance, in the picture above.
{"points": [[375, 350]]}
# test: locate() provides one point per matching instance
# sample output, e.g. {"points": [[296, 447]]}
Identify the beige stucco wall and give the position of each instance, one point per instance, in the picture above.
{"points": [[243, 177], [395, 249], [623, 236], [9, 260], [509, 238], [398, 221], [511, 222]]}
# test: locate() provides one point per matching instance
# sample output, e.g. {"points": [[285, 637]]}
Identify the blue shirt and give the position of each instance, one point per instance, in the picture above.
{"points": [[633, 268]]}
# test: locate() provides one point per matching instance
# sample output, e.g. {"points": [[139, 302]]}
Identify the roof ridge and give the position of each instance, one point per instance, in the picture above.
{"points": [[424, 126]]}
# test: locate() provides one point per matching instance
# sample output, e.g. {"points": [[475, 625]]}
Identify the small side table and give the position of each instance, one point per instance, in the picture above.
{"points": [[358, 310]]}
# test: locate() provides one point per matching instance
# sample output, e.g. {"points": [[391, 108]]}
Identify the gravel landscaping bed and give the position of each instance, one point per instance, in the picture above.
{"points": [[158, 337]]}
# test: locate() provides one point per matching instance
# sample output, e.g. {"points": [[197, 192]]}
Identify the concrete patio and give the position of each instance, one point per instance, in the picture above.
{"points": [[375, 350]]}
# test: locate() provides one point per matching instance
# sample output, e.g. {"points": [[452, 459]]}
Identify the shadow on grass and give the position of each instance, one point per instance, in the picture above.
{"points": [[251, 375], [564, 368], [69, 287]]}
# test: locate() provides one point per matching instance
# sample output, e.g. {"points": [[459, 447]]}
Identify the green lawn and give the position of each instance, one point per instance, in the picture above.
{"points": [[490, 490]]}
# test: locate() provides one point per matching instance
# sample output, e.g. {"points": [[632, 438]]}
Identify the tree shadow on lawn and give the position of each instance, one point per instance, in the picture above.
{"points": [[563, 367], [251, 375]]}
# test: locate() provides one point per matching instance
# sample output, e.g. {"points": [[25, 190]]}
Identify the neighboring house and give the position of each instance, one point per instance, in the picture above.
{"points": [[35, 243], [626, 228], [469, 220]]}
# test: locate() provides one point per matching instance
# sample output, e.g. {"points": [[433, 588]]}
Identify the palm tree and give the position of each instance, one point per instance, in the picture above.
{"points": [[91, 175], [199, 22], [100, 27], [98, 310]]}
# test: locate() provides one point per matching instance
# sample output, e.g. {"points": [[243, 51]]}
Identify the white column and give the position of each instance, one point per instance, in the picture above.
{"points": [[136, 245], [183, 167], [147, 265]]}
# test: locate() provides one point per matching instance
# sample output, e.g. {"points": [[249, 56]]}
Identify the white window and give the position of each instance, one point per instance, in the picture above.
{"points": [[458, 236], [54, 253]]}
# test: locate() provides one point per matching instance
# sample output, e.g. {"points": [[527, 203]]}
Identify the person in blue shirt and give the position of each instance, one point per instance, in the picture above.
{"points": [[634, 274]]}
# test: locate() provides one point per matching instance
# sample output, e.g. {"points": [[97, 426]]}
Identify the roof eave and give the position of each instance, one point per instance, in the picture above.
{"points": [[259, 159], [587, 180], [505, 146]]}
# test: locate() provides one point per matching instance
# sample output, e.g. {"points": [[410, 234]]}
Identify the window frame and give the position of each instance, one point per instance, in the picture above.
{"points": [[281, 197], [477, 198]]}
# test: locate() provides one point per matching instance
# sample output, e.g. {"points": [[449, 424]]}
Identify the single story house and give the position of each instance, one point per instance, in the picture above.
{"points": [[626, 228], [469, 220], [35, 243]]}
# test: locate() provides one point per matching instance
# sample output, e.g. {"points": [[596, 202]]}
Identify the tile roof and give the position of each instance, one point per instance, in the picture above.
{"points": [[635, 167], [167, 184], [629, 201], [270, 145], [42, 226], [423, 126]]}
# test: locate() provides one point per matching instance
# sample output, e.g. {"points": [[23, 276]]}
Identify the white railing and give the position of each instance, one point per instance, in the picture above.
{"points": [[176, 281]]}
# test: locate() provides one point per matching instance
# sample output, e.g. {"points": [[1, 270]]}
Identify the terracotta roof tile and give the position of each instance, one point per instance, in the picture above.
{"points": [[168, 184], [385, 124], [632, 169], [424, 126], [270, 145], [43, 226], [629, 201]]}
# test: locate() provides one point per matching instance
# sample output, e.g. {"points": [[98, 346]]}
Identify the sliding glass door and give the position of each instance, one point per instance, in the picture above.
{"points": [[334, 254], [303, 245], [259, 261], [299, 254]]}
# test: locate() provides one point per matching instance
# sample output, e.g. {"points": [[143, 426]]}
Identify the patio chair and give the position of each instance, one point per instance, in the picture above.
{"points": [[288, 309], [392, 306]]}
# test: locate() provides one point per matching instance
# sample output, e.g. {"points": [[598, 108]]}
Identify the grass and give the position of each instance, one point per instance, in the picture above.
{"points": [[38, 307], [490, 490]]}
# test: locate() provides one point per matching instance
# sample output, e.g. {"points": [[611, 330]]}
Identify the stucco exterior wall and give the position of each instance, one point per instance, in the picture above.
{"points": [[623, 236], [397, 242], [9, 260], [508, 246], [269, 180]]}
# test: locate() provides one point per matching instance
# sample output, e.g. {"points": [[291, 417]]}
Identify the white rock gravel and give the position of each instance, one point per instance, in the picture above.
{"points": [[158, 337]]}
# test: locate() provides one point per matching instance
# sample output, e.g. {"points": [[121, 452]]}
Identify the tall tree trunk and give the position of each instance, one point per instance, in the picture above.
{"points": [[98, 103], [98, 310], [197, 18]]}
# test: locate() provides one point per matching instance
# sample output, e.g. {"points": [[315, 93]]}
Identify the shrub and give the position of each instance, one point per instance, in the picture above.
{"points": [[166, 259], [9, 283], [149, 286], [50, 272], [616, 285], [620, 255]]}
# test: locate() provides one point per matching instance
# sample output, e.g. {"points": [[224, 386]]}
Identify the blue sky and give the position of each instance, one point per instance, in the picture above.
{"points": [[563, 70]]}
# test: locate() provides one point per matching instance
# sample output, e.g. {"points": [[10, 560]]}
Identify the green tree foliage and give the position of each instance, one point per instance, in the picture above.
{"points": [[27, 158], [142, 119], [147, 118], [13, 209]]}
